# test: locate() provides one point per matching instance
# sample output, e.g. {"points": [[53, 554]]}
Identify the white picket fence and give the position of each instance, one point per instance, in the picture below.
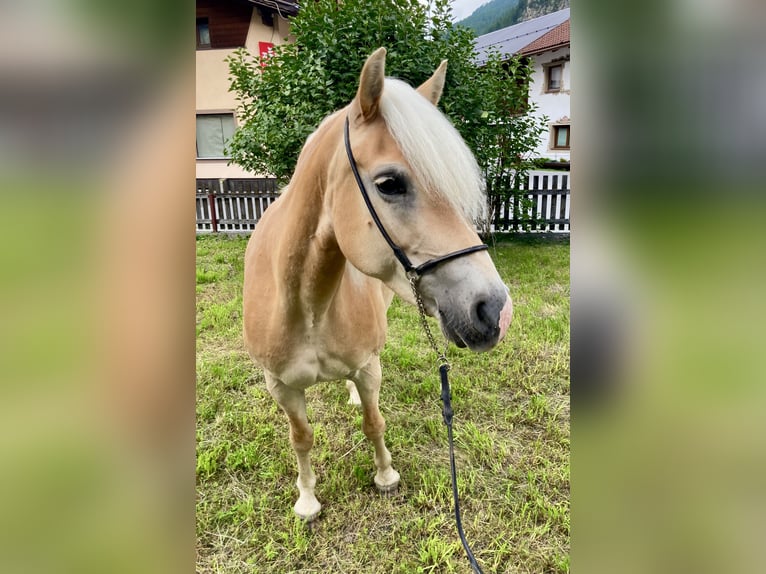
{"points": [[236, 205]]}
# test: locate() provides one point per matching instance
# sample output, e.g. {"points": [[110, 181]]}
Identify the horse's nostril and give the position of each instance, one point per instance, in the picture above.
{"points": [[481, 312], [486, 317]]}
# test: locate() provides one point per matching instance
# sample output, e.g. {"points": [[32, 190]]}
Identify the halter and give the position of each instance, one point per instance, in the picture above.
{"points": [[414, 273], [409, 268]]}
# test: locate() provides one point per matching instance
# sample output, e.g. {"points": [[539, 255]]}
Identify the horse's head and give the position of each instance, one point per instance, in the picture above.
{"points": [[427, 190]]}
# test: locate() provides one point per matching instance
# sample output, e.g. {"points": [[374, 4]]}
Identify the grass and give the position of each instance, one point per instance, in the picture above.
{"points": [[511, 432]]}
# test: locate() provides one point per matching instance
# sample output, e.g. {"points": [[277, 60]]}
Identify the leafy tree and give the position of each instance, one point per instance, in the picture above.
{"points": [[282, 101], [508, 134]]}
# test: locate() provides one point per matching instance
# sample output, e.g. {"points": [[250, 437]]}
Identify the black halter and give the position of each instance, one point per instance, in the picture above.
{"points": [[409, 268]]}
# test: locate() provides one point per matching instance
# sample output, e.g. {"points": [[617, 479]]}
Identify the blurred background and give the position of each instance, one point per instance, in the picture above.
{"points": [[668, 372], [97, 289], [96, 286]]}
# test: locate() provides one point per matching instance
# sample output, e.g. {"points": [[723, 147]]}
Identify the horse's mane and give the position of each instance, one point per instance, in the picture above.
{"points": [[433, 147]]}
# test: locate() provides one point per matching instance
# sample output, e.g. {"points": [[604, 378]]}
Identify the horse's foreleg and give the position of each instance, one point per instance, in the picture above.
{"points": [[293, 402], [353, 395], [368, 384]]}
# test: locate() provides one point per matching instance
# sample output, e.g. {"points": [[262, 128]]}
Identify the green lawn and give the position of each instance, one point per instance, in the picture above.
{"points": [[511, 432]]}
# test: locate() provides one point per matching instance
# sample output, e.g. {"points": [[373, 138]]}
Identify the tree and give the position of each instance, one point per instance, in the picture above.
{"points": [[282, 100], [509, 132]]}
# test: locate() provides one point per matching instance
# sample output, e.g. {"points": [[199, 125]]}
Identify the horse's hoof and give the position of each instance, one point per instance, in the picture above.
{"points": [[389, 485], [390, 490], [307, 510]]}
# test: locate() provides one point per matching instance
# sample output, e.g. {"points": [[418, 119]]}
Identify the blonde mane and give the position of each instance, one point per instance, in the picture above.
{"points": [[434, 149]]}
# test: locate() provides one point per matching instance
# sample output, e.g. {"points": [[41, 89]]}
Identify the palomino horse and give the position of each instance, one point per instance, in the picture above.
{"points": [[319, 275]]}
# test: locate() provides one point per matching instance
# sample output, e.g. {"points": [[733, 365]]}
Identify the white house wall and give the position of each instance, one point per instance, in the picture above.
{"points": [[553, 105], [213, 95]]}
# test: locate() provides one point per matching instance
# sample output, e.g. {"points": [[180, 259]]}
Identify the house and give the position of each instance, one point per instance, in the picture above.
{"points": [[545, 42], [222, 27]]}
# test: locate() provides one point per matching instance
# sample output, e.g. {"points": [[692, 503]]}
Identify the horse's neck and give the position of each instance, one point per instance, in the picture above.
{"points": [[312, 264]]}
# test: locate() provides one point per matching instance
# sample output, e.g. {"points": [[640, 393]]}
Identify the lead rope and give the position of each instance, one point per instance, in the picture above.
{"points": [[446, 397]]}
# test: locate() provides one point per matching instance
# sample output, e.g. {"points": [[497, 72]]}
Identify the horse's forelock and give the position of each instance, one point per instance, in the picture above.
{"points": [[433, 148]]}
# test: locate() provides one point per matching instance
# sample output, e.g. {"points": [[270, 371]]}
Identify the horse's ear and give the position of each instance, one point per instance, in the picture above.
{"points": [[371, 83], [432, 88]]}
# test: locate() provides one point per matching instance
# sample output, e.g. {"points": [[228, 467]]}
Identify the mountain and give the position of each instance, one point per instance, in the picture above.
{"points": [[535, 8], [503, 13]]}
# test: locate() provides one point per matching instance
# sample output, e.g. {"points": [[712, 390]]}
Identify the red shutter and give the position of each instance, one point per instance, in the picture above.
{"points": [[265, 49]]}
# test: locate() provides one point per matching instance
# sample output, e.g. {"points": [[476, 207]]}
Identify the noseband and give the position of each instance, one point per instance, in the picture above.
{"points": [[412, 271]]}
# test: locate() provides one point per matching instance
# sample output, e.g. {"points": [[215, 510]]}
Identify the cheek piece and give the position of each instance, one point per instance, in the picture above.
{"points": [[409, 268]]}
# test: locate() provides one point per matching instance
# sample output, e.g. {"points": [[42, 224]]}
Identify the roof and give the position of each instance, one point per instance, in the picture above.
{"points": [[282, 7], [556, 38], [515, 39]]}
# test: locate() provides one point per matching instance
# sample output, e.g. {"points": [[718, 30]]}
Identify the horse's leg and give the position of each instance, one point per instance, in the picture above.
{"points": [[368, 384], [293, 402], [353, 394]]}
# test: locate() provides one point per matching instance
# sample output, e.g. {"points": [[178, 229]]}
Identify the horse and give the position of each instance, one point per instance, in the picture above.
{"points": [[320, 271]]}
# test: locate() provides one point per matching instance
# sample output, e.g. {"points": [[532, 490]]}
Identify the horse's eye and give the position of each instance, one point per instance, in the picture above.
{"points": [[391, 185]]}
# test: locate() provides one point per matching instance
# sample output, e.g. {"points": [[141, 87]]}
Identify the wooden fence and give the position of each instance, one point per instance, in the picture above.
{"points": [[236, 205], [233, 205], [542, 207]]}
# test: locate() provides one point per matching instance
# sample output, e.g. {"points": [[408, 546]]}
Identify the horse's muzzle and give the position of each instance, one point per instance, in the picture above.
{"points": [[482, 327]]}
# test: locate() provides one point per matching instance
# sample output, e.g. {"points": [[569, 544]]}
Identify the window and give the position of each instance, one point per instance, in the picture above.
{"points": [[560, 137], [203, 33], [553, 78], [213, 133]]}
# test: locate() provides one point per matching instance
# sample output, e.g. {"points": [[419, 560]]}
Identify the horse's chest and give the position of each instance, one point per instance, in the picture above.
{"points": [[340, 350], [316, 361]]}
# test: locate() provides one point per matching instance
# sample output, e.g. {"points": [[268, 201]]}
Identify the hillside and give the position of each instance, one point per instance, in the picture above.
{"points": [[502, 13]]}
